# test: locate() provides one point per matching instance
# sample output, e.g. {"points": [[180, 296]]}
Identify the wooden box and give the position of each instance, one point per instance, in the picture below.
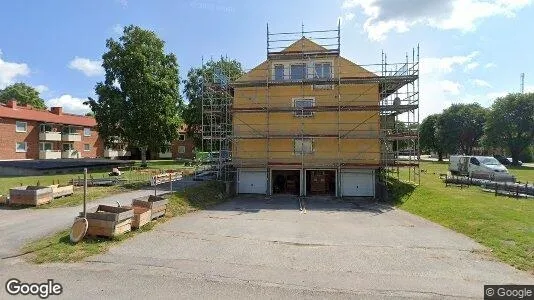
{"points": [[62, 190], [109, 221], [142, 215], [30, 195], [156, 204]]}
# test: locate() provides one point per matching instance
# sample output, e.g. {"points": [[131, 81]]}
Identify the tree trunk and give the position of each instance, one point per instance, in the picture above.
{"points": [[143, 156], [440, 156]]}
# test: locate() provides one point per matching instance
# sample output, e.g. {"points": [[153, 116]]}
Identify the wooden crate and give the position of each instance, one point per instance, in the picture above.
{"points": [[30, 195], [109, 221], [62, 190], [156, 204], [142, 215]]}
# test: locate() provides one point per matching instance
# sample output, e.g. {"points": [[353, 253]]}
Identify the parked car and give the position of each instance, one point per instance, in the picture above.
{"points": [[507, 161], [466, 165]]}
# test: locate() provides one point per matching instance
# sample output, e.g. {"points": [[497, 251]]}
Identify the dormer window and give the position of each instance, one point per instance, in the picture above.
{"points": [[323, 70]]}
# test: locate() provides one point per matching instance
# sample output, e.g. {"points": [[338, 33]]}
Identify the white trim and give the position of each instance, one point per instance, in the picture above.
{"points": [[181, 147], [41, 148], [295, 99], [90, 131], [310, 65], [17, 126], [87, 150], [302, 152]]}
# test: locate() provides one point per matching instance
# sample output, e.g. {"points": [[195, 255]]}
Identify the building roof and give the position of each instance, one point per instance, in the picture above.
{"points": [[42, 115]]}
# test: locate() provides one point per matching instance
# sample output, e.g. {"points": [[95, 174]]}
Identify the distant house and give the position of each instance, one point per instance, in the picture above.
{"points": [[181, 148]]}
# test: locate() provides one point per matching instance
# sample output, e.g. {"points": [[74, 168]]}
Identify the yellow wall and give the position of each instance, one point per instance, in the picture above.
{"points": [[360, 144]]}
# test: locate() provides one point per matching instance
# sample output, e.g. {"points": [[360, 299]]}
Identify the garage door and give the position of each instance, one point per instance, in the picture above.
{"points": [[252, 182], [360, 183]]}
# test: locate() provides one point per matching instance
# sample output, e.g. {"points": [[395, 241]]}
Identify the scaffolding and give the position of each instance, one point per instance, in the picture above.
{"points": [[385, 96]]}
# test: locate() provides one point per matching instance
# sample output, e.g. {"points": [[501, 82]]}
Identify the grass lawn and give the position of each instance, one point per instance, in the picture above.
{"points": [[58, 248], [136, 179], [503, 224]]}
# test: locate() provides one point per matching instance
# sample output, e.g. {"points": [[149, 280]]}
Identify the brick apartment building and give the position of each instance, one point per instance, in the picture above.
{"points": [[30, 133]]}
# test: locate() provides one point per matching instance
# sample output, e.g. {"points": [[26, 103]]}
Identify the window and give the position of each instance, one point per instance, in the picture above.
{"points": [[474, 161], [181, 149], [301, 104], [68, 130], [298, 72], [181, 137], [45, 146], [21, 147], [278, 72], [45, 128], [21, 126], [68, 146], [303, 146], [87, 131], [86, 147], [323, 70]]}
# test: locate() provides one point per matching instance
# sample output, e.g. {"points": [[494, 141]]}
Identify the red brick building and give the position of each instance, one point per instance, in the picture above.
{"points": [[30, 133], [181, 148]]}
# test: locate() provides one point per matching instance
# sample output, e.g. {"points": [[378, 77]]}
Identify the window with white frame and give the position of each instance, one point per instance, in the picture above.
{"points": [[45, 146], [21, 126], [21, 147], [323, 70], [87, 131], [86, 147], [181, 149], [297, 71], [278, 72], [303, 146], [181, 137], [300, 106]]}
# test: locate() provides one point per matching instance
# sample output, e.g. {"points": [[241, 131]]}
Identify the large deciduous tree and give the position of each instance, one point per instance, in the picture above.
{"points": [[428, 136], [461, 127], [510, 123], [23, 93], [192, 114], [139, 101]]}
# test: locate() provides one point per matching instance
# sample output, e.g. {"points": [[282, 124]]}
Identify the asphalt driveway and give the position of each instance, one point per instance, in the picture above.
{"points": [[333, 248]]}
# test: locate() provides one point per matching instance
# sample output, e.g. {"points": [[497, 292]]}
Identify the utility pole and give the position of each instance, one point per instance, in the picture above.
{"points": [[522, 89]]}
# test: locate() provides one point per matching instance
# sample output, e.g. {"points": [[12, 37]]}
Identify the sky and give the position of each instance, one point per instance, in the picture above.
{"points": [[470, 50]]}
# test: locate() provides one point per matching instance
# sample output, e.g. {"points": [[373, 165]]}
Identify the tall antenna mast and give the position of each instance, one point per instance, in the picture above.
{"points": [[522, 89]]}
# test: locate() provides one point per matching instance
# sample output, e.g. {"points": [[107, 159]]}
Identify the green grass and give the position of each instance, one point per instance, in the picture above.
{"points": [[135, 177], [505, 225], [58, 248]]}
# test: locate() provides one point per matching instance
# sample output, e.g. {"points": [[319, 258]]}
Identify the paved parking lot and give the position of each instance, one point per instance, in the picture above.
{"points": [[333, 248]]}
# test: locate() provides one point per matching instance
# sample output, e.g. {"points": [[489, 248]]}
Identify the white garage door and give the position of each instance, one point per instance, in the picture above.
{"points": [[252, 182], [358, 183]]}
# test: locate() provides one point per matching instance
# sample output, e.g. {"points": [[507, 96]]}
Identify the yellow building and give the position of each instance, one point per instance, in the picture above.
{"points": [[307, 121]]}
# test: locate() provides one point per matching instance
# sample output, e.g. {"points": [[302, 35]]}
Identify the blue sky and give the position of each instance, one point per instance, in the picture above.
{"points": [[471, 50]]}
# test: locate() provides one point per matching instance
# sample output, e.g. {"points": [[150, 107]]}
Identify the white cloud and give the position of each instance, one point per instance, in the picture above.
{"points": [[529, 89], [490, 65], [123, 3], [10, 71], [70, 104], [481, 83], [471, 66], [87, 66], [384, 16], [41, 88], [446, 64], [450, 87]]}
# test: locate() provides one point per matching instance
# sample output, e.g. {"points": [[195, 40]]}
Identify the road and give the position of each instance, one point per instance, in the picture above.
{"points": [[19, 226], [253, 247]]}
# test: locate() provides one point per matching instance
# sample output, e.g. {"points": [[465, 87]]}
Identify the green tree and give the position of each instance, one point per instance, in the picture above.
{"points": [[193, 90], [510, 123], [23, 93], [139, 102], [461, 127], [428, 136]]}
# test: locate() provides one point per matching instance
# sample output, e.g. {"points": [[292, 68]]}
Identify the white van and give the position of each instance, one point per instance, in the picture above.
{"points": [[466, 165]]}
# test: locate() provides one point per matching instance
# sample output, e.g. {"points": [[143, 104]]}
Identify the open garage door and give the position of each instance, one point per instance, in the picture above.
{"points": [[252, 182], [358, 183]]}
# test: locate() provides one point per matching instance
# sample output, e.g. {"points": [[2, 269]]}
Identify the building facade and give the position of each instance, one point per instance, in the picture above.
{"points": [[181, 148], [308, 121], [30, 133]]}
